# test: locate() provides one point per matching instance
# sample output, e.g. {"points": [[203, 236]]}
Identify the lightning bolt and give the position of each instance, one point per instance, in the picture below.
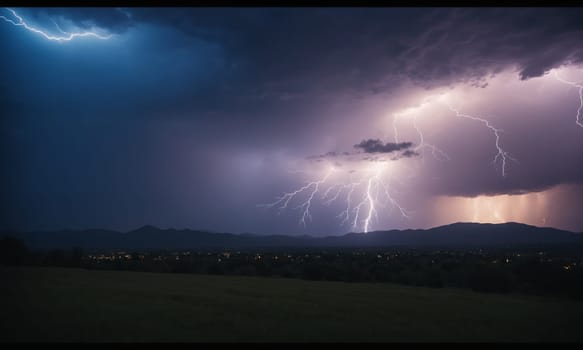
{"points": [[422, 144], [395, 204], [437, 153], [356, 210], [67, 36], [371, 186], [395, 131], [345, 214], [284, 200], [502, 154], [370, 200], [327, 193], [376, 183], [371, 206], [339, 190], [578, 86], [308, 203]]}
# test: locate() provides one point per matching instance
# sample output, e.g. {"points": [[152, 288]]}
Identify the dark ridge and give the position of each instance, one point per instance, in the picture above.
{"points": [[150, 237]]}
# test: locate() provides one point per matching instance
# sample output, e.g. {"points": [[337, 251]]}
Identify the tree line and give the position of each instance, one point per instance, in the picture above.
{"points": [[559, 275]]}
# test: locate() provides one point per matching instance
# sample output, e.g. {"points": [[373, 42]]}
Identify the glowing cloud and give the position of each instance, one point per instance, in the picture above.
{"points": [[502, 154], [371, 187], [578, 86], [413, 113], [20, 22]]}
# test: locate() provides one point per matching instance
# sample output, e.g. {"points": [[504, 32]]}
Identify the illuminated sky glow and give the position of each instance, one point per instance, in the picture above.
{"points": [[66, 36], [229, 120]]}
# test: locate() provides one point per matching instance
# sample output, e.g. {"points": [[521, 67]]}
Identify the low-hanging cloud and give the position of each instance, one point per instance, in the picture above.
{"points": [[377, 146], [371, 146], [386, 45]]}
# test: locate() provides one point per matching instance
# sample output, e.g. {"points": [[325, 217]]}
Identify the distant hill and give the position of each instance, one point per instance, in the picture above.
{"points": [[150, 237]]}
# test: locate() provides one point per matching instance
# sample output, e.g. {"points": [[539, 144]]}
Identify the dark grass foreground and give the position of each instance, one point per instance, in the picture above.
{"points": [[57, 304]]}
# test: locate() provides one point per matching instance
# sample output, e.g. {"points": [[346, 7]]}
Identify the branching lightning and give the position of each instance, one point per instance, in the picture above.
{"points": [[308, 202], [345, 214], [339, 189], [371, 205], [392, 200], [502, 154], [375, 187], [395, 131], [435, 151], [20, 22], [284, 200], [364, 198], [371, 188], [580, 87]]}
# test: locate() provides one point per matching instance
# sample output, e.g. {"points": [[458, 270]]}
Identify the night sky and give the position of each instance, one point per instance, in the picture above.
{"points": [[204, 118]]}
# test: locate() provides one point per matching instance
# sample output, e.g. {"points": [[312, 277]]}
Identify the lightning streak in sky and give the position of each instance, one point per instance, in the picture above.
{"points": [[435, 151], [370, 188], [502, 154], [345, 214], [580, 87], [393, 201], [287, 197], [67, 36], [375, 187], [364, 197], [339, 190], [367, 200], [371, 206], [308, 202], [395, 131]]}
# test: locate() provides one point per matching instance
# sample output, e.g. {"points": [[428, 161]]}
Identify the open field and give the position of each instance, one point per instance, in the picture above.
{"points": [[58, 304]]}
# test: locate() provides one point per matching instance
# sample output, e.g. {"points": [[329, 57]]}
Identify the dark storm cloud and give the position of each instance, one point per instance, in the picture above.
{"points": [[186, 95], [327, 155], [278, 56], [409, 153], [370, 146], [285, 50], [353, 46], [377, 146], [480, 41], [322, 157], [114, 20]]}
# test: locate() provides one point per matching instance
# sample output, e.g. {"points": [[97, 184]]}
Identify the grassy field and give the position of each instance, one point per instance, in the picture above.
{"points": [[57, 304]]}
